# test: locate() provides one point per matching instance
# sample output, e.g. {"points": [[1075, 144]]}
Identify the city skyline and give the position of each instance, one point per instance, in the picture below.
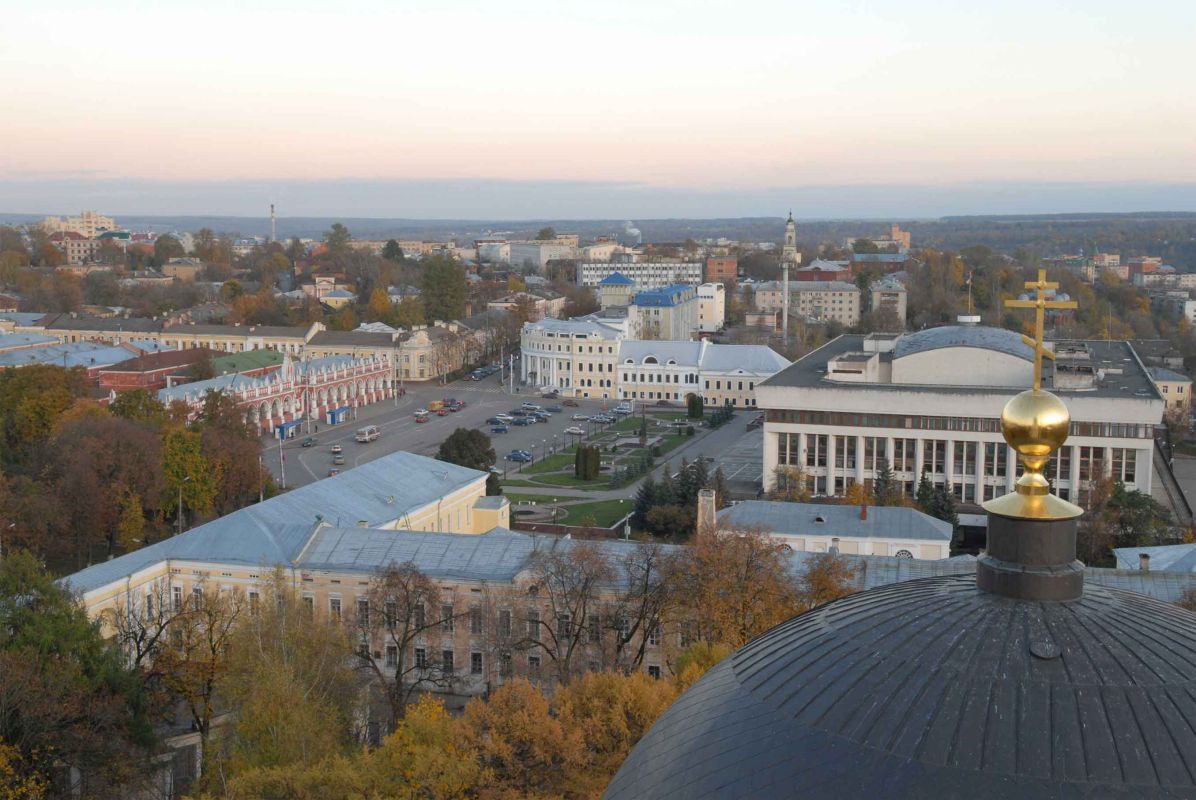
{"points": [[612, 110]]}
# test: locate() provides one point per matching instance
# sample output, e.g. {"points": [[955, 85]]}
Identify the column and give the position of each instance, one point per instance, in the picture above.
{"points": [[980, 447], [918, 461], [1011, 466], [1074, 477], [830, 463], [1107, 457], [771, 447], [859, 459], [949, 466]]}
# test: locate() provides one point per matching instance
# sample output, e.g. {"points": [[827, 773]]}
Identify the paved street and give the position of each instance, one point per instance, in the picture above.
{"points": [[734, 448]]}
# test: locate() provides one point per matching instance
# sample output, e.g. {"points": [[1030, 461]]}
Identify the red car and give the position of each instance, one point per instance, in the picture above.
{"points": [[442, 412], [421, 418]]}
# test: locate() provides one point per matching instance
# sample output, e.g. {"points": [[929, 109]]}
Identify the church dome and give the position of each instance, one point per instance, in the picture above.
{"points": [[934, 689]]}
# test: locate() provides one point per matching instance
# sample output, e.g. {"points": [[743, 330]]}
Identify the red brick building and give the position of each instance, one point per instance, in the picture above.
{"points": [[722, 270], [151, 371]]}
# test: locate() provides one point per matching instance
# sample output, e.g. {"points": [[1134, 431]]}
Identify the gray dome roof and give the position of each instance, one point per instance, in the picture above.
{"points": [[986, 338], [933, 688]]}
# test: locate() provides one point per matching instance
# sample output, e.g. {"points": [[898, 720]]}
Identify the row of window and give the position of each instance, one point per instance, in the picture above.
{"points": [[1116, 430]]}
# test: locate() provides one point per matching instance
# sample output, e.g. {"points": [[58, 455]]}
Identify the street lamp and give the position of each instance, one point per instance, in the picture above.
{"points": [[554, 510], [543, 449]]}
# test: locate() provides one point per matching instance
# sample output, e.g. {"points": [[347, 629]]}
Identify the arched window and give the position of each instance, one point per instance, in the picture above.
{"points": [[904, 554], [651, 360]]}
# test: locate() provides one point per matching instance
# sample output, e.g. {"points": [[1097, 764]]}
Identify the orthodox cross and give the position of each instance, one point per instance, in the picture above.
{"points": [[1040, 304]]}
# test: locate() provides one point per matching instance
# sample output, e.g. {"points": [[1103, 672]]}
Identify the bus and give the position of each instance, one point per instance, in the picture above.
{"points": [[367, 434]]}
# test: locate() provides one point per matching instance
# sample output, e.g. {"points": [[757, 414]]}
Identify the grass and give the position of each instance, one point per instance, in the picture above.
{"points": [[567, 479], [517, 482], [553, 463], [673, 441], [530, 498], [604, 512]]}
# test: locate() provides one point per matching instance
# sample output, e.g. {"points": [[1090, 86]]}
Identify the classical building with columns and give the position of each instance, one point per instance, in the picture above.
{"points": [[931, 401], [320, 389]]}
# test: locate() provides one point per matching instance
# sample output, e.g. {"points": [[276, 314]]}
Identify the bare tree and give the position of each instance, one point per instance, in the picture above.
{"points": [[647, 576]]}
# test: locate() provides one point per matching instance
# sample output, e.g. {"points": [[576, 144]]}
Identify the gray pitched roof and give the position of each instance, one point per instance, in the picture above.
{"points": [[1164, 374], [814, 519]]}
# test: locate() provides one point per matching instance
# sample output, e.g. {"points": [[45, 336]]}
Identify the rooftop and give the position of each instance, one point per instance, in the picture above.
{"points": [[672, 295], [1164, 374], [811, 519], [249, 360], [616, 279]]}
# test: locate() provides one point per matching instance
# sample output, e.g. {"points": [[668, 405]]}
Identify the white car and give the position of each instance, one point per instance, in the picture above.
{"points": [[422, 412], [504, 417], [532, 407], [580, 418], [576, 430]]}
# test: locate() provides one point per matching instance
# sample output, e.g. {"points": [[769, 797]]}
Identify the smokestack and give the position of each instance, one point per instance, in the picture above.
{"points": [[273, 229], [1144, 562]]}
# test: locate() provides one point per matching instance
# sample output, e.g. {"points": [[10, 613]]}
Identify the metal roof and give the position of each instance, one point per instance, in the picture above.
{"points": [[616, 279], [978, 336], [813, 519], [665, 296], [1164, 374], [1164, 558], [932, 688]]}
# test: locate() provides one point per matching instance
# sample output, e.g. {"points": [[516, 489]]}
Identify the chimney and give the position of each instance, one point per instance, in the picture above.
{"points": [[363, 523], [864, 512], [835, 545], [707, 519], [1144, 562]]}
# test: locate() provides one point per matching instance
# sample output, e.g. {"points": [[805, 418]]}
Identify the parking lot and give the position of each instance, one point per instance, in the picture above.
{"points": [[395, 420], [742, 461]]}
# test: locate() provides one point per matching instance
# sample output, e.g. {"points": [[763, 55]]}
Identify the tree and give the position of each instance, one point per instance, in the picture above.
{"points": [[671, 521], [68, 700], [165, 248], [468, 447], [444, 289], [857, 494], [790, 485], [612, 711], [379, 308], [409, 313], [587, 462], [885, 489], [31, 399], [524, 309], [579, 301], [525, 749], [202, 368], [392, 252], [827, 577], [403, 606], [737, 585], [925, 495], [187, 470], [693, 406], [345, 319], [337, 239], [696, 660], [545, 234], [647, 575]]}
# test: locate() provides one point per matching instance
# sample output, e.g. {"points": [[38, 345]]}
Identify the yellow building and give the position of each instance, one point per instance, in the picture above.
{"points": [[89, 224]]}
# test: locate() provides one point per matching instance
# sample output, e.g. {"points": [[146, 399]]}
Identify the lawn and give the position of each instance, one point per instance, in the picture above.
{"points": [[517, 482], [553, 463], [530, 498], [569, 479], [673, 441], [604, 512]]}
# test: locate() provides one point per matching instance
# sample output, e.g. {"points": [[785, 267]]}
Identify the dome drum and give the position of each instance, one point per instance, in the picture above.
{"points": [[1031, 559]]}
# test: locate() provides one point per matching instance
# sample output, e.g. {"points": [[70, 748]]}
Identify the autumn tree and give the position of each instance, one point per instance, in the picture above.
{"points": [[187, 473], [790, 485], [379, 307], [736, 585], [167, 247], [409, 313], [402, 607], [826, 577], [31, 399], [526, 750], [695, 661]]}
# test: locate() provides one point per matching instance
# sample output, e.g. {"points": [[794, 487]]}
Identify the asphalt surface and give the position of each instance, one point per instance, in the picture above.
{"points": [[399, 430]]}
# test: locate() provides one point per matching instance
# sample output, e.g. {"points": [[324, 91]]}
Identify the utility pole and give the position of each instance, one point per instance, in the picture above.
{"points": [[282, 464]]}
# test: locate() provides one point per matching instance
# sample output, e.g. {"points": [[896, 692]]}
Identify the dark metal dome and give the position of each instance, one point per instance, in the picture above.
{"points": [[935, 689]]}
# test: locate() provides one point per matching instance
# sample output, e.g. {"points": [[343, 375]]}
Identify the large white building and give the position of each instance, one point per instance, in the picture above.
{"points": [[669, 313], [586, 358], [824, 301], [537, 254], [644, 274], [88, 224], [931, 401]]}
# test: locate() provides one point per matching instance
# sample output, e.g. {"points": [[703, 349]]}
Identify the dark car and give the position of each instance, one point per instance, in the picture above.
{"points": [[499, 429], [519, 455], [551, 395], [338, 459], [523, 422], [569, 402], [517, 412], [554, 409], [494, 421], [309, 441]]}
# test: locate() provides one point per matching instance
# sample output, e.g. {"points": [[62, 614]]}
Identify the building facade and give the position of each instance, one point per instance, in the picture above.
{"points": [[721, 374], [712, 307], [823, 301], [669, 313], [889, 294], [89, 224], [644, 274], [1176, 389], [577, 357], [723, 269], [931, 402], [538, 254]]}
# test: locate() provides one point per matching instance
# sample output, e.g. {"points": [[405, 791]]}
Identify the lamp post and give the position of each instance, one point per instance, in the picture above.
{"points": [[554, 510], [543, 449], [180, 514]]}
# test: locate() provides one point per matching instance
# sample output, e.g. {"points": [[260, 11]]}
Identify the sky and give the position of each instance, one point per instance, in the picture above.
{"points": [[521, 108]]}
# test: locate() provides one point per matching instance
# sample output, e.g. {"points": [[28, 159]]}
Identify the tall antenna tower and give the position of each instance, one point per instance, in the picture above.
{"points": [[273, 228]]}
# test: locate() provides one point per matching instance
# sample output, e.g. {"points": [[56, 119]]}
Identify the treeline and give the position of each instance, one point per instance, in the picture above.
{"points": [[84, 482]]}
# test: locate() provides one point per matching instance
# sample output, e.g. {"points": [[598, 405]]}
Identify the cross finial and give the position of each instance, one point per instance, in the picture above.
{"points": [[1040, 304]]}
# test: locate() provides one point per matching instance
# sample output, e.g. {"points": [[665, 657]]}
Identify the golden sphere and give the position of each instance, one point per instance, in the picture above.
{"points": [[1035, 424]]}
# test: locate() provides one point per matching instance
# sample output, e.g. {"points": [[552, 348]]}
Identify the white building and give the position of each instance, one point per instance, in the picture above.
{"points": [[644, 274], [669, 313], [825, 301], [600, 251], [585, 358], [931, 402], [538, 254], [846, 529], [88, 224], [712, 307], [890, 294]]}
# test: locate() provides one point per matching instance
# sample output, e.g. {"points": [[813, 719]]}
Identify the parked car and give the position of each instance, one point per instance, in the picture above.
{"points": [[503, 417], [333, 472], [551, 395], [460, 404], [338, 459], [336, 448], [554, 409], [443, 412], [580, 418], [576, 430], [499, 429], [623, 410], [569, 401], [309, 441], [523, 422], [531, 406], [494, 421], [519, 455], [518, 412]]}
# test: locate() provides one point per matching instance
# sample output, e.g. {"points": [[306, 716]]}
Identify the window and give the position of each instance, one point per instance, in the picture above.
{"points": [[334, 607], [392, 613], [363, 613], [564, 626], [392, 656], [504, 623], [654, 634], [475, 663], [421, 620], [475, 621], [177, 599], [533, 623], [421, 658], [253, 599], [654, 671], [446, 617], [594, 626], [533, 666], [446, 662], [310, 603], [196, 596], [504, 663], [903, 554]]}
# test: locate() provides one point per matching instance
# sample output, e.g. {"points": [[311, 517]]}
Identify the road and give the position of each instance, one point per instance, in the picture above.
{"points": [[399, 430]]}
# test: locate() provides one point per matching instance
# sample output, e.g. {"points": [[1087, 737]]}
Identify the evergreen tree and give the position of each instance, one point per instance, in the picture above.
{"points": [[693, 406], [884, 487], [925, 495], [721, 493], [943, 506], [392, 252], [645, 499], [444, 289]]}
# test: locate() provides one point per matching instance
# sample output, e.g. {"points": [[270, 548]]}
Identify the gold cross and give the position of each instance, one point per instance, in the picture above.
{"points": [[1040, 304]]}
